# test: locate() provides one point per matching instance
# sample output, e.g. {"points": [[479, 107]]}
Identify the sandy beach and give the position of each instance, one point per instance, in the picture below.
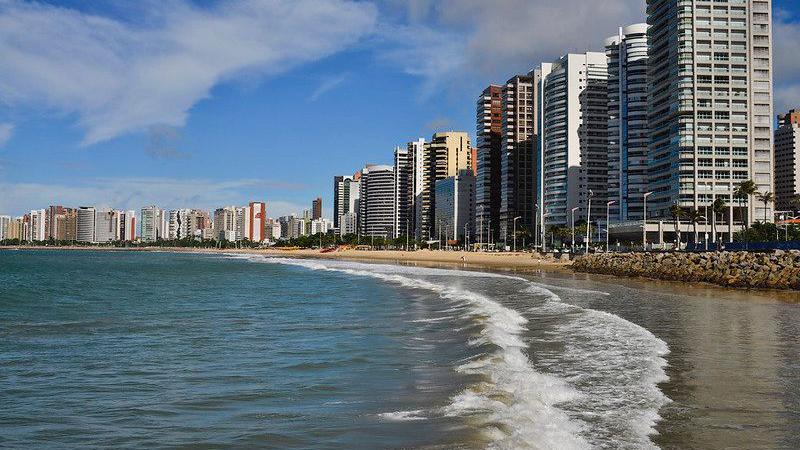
{"points": [[510, 261]]}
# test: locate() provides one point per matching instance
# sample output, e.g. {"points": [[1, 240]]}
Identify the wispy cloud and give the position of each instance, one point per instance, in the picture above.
{"points": [[163, 141], [135, 192], [462, 41], [6, 130], [121, 77], [327, 85]]}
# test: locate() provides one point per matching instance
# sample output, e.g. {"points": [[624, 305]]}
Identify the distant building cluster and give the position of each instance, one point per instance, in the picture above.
{"points": [[91, 225], [669, 117], [401, 200]]}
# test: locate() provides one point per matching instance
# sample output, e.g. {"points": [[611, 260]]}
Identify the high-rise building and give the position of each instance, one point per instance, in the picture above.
{"points": [[106, 225], [455, 207], [38, 230], [127, 226], [517, 153], [376, 217], [573, 165], [628, 136], [710, 97], [446, 155], [227, 224], [86, 224], [488, 179], [345, 196], [4, 223], [255, 221], [787, 161], [152, 220], [403, 191], [316, 209], [62, 223], [15, 231]]}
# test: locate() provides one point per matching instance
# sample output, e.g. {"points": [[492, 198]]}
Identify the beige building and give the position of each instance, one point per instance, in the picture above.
{"points": [[445, 156], [787, 161]]}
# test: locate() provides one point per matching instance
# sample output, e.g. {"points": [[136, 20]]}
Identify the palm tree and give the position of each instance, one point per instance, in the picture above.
{"points": [[718, 207], [766, 198], [677, 212], [694, 216], [746, 189], [795, 202]]}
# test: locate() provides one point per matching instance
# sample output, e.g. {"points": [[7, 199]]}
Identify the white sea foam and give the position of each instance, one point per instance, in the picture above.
{"points": [[403, 416], [611, 367]]}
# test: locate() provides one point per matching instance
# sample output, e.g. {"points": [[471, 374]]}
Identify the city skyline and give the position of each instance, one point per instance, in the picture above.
{"points": [[230, 142]]}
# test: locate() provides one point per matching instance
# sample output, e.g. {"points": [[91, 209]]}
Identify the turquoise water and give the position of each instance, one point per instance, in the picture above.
{"points": [[162, 350]]}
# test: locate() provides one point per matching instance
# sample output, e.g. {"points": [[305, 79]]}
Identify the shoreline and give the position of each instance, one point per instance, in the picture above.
{"points": [[506, 261]]}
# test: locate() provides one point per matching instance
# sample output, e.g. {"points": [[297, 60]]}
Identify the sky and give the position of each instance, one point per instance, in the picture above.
{"points": [[207, 103]]}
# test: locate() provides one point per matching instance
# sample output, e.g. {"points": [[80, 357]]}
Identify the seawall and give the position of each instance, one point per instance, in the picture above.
{"points": [[777, 270]]}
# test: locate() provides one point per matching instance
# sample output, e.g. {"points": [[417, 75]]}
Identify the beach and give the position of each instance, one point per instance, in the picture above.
{"points": [[507, 261]]}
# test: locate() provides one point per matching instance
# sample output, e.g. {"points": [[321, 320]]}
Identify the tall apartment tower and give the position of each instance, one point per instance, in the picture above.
{"points": [[710, 97], [787, 161], [627, 122], [106, 225], [446, 155], [255, 216], [517, 155], [152, 219], [346, 192], [403, 191], [316, 209], [376, 218], [487, 181], [573, 165], [86, 224]]}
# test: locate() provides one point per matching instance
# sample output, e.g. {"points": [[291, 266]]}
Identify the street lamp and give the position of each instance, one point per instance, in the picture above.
{"points": [[608, 217], [644, 220], [515, 232], [572, 243], [589, 221]]}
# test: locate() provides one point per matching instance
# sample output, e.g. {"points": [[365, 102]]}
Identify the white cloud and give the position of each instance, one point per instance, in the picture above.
{"points": [[497, 39], [121, 77], [134, 193], [327, 85], [6, 130], [786, 62]]}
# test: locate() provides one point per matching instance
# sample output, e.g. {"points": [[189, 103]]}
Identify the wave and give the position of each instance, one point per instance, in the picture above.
{"points": [[610, 366]]}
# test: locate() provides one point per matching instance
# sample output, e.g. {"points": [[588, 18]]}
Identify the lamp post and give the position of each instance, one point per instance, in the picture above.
{"points": [[480, 242], [608, 218], [644, 222], [589, 221], [572, 242], [536, 227], [515, 232]]}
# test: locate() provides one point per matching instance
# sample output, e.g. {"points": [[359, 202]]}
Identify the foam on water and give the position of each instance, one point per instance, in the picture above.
{"points": [[610, 368]]}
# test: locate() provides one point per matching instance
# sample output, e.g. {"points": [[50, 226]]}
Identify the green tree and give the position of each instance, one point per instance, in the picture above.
{"points": [[766, 198], [694, 216]]}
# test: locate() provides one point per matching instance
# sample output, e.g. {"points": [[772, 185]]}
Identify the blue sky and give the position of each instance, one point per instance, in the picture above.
{"points": [[206, 103]]}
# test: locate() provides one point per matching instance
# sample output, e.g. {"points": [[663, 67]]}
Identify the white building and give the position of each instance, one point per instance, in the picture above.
{"points": [[4, 223], [86, 224], [574, 151], [38, 230], [348, 224], [321, 226], [106, 225]]}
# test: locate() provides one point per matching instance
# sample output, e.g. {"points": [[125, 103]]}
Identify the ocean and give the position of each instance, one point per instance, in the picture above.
{"points": [[177, 350]]}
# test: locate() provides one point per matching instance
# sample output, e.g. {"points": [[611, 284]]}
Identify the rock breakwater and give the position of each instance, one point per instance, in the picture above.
{"points": [[777, 270]]}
